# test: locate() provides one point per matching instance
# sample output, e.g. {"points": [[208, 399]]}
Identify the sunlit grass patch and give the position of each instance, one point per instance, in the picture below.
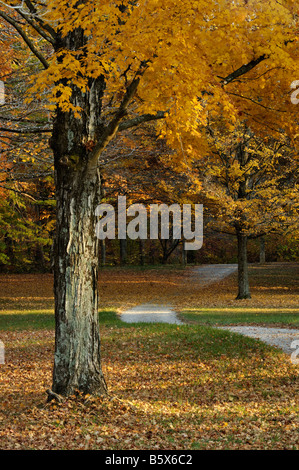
{"points": [[241, 315], [26, 319], [43, 319]]}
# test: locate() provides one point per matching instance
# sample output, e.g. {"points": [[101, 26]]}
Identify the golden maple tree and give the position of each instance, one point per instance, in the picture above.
{"points": [[250, 186], [109, 66]]}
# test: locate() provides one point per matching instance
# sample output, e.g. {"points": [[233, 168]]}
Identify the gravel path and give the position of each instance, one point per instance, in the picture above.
{"points": [[151, 313], [208, 273]]}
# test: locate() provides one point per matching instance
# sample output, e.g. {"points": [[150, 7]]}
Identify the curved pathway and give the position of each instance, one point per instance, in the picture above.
{"points": [[150, 313], [208, 273], [283, 338]]}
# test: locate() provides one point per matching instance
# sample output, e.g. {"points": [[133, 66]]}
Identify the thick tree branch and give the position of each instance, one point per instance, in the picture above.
{"points": [[35, 26], [112, 128], [243, 69], [43, 25], [161, 114], [141, 119], [36, 130]]}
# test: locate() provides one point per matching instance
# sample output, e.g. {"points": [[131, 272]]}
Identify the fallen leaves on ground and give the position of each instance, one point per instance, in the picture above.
{"points": [[170, 393], [273, 285]]}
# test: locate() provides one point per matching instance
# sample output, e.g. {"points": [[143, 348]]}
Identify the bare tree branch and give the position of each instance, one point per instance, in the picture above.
{"points": [[243, 69], [27, 40], [36, 130], [141, 119]]}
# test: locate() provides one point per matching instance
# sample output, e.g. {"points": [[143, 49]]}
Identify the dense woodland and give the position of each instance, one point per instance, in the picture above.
{"points": [[140, 168]]}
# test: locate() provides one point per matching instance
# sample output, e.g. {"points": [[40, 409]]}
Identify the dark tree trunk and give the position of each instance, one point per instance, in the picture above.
{"points": [[168, 246], [39, 258], [9, 249], [184, 255], [123, 251], [243, 280], [165, 256], [103, 252], [262, 250], [77, 363], [152, 249], [141, 252]]}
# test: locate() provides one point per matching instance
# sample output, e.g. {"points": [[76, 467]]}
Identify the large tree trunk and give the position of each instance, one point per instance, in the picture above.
{"points": [[243, 280], [77, 143], [77, 361]]}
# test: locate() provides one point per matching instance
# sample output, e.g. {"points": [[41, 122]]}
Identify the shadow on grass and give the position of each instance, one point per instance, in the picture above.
{"points": [[19, 320], [174, 343]]}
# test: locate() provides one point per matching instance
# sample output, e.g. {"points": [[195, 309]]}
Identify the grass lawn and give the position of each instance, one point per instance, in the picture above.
{"points": [[275, 299], [174, 387]]}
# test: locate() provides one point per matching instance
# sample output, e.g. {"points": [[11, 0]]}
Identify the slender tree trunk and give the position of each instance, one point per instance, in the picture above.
{"points": [[164, 257], [184, 255], [39, 257], [103, 252], [243, 281], [9, 249], [123, 251], [152, 249], [141, 252], [168, 246], [262, 250]]}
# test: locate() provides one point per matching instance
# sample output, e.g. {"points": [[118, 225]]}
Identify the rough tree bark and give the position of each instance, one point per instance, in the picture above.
{"points": [[77, 363], [77, 145], [243, 280]]}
